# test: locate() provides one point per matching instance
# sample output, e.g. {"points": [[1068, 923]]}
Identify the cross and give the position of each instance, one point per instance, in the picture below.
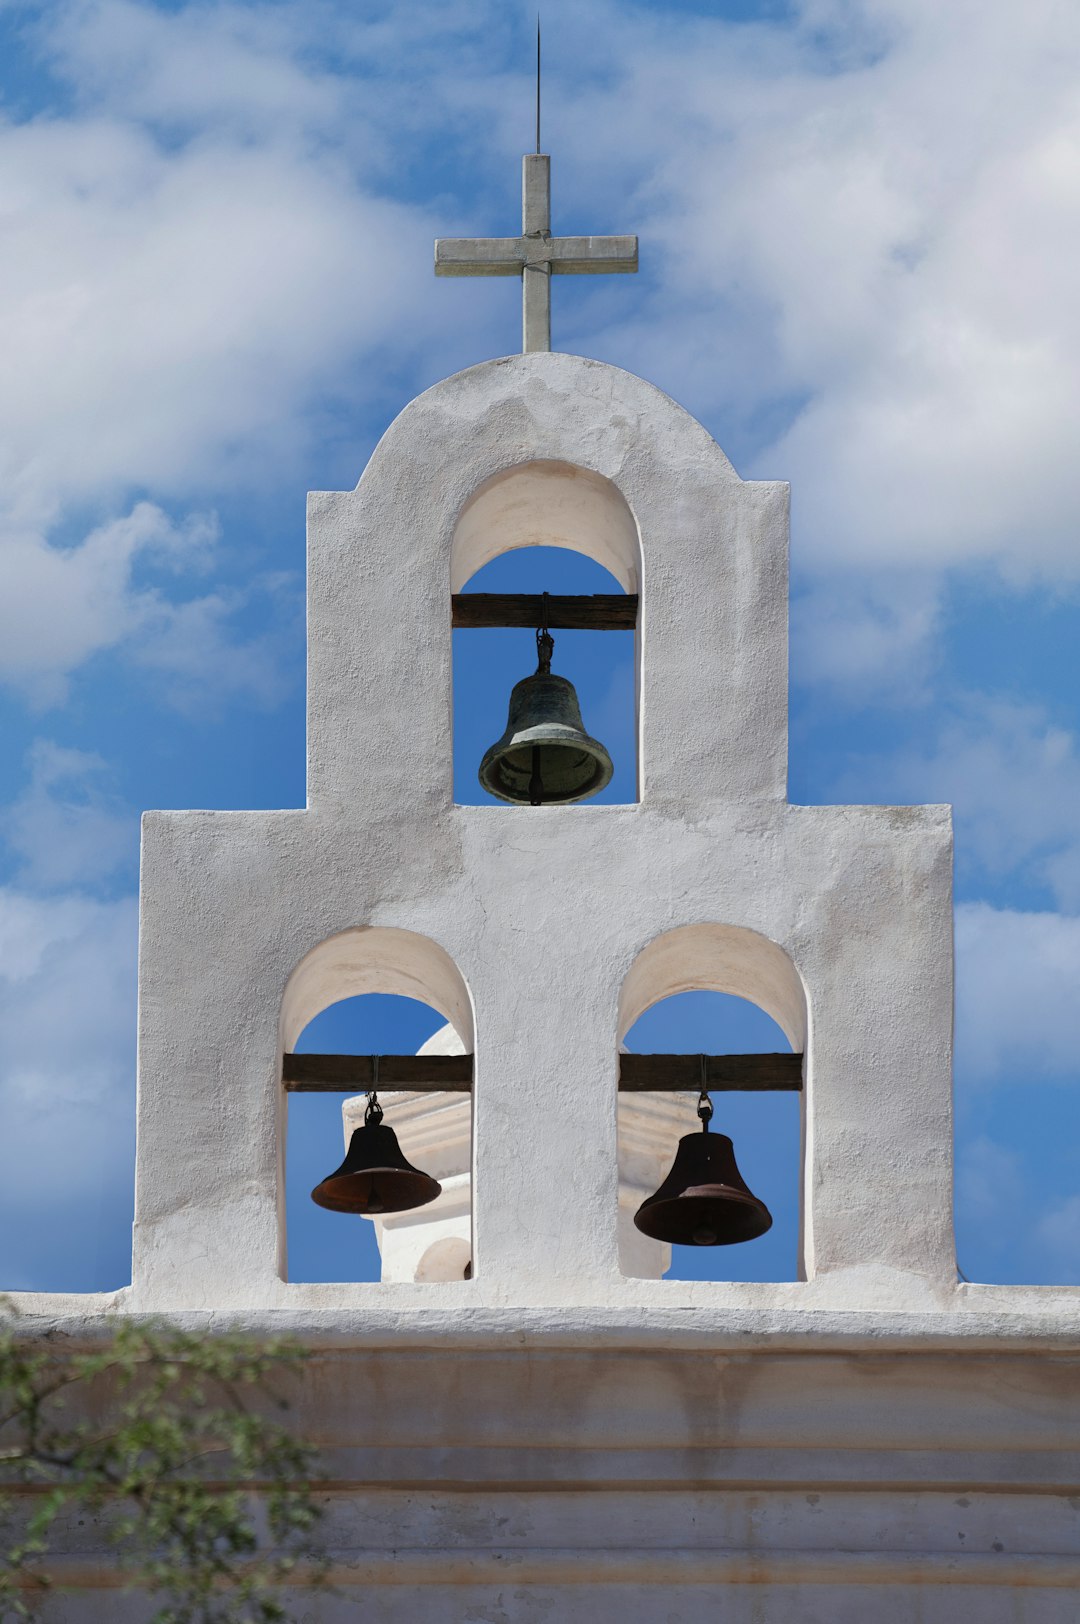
{"points": [[536, 255]]}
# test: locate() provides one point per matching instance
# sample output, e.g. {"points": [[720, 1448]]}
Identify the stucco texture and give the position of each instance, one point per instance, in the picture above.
{"points": [[553, 1439]]}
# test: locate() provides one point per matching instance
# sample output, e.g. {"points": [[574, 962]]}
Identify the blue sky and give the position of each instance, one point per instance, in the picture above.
{"points": [[858, 224]]}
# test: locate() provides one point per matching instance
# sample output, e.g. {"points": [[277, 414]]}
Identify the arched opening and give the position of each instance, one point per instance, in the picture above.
{"points": [[714, 990], [547, 504], [554, 528], [368, 992], [446, 1259]]}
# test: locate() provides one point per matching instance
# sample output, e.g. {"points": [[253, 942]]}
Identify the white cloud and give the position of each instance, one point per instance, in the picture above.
{"points": [[1059, 1233], [1013, 776], [867, 635], [170, 312], [63, 604], [177, 307], [66, 1085], [67, 1028], [898, 231], [989, 1179], [238, 67], [204, 663], [858, 226], [1011, 1227], [1017, 994], [65, 828]]}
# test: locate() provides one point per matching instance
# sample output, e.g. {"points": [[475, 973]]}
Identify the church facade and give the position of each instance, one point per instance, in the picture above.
{"points": [[565, 1435]]}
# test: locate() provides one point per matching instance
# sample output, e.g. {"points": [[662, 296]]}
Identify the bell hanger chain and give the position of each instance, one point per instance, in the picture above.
{"points": [[704, 1104], [373, 1114], [545, 643]]}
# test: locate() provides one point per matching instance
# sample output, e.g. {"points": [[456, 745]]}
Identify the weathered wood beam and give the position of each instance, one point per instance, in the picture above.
{"points": [[453, 1074], [724, 1073], [602, 612], [355, 1073]]}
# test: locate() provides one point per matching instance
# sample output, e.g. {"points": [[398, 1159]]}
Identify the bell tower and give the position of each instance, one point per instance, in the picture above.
{"points": [[540, 932], [563, 1434]]}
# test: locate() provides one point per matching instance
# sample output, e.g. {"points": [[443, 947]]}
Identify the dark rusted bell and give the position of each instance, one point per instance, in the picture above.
{"points": [[703, 1201], [375, 1177], [545, 757]]}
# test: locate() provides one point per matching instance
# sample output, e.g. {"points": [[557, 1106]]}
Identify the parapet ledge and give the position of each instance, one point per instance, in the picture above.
{"points": [[1040, 1320]]}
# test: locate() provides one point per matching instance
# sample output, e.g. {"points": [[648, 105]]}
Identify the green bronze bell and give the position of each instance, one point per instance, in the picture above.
{"points": [[545, 757]]}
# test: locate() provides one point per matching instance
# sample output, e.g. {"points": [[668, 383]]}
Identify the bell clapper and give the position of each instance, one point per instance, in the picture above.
{"points": [[704, 1234], [545, 648], [373, 1115], [704, 1104]]}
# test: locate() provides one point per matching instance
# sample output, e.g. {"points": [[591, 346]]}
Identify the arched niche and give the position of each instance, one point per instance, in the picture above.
{"points": [[547, 504], [559, 508], [747, 968], [446, 1259], [717, 958], [375, 958], [341, 970]]}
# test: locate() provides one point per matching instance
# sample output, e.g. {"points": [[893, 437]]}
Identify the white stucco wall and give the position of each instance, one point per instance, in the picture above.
{"points": [[434, 1242], [538, 917], [873, 1439], [490, 1467]]}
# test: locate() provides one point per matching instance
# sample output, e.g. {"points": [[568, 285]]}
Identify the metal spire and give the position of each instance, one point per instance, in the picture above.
{"points": [[536, 255]]}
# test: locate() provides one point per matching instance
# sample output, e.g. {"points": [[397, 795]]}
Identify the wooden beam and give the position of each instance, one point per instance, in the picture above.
{"points": [[355, 1073], [603, 612], [724, 1073], [453, 1073]]}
